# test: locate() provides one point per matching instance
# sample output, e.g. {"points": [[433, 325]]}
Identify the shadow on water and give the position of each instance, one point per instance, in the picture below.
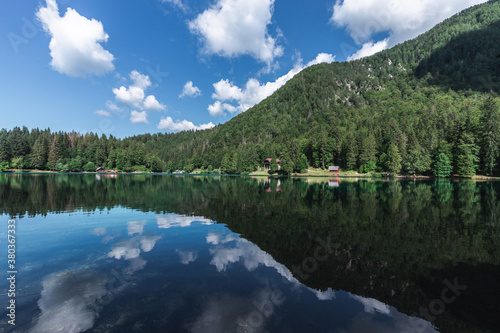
{"points": [[429, 248]]}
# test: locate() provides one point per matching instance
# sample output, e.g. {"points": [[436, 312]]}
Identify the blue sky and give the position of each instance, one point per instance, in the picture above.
{"points": [[132, 67]]}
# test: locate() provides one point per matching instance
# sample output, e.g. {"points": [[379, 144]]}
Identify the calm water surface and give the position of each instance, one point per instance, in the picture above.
{"points": [[149, 253]]}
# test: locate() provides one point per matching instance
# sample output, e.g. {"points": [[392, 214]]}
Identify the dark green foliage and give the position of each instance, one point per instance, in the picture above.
{"points": [[189, 168], [274, 166], [442, 166], [4, 166], [53, 153], [5, 148], [394, 159], [417, 159], [467, 157], [490, 134], [39, 154], [89, 167], [302, 164], [75, 165]]}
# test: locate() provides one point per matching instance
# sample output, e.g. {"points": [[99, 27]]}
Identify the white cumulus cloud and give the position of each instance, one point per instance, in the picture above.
{"points": [[140, 80], [402, 19], [138, 117], [190, 90], [150, 103], [75, 45], [134, 97], [254, 91], [218, 108], [369, 49], [181, 125], [232, 28]]}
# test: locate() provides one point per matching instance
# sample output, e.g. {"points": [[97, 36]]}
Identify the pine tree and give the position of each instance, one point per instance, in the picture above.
{"points": [[53, 153], [491, 134], [352, 152], [467, 157], [5, 151], [368, 150], [227, 163], [274, 165], [302, 164], [394, 159], [39, 154], [442, 166], [287, 164]]}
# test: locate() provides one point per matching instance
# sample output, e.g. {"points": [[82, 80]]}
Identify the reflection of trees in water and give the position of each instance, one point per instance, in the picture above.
{"points": [[398, 240]]}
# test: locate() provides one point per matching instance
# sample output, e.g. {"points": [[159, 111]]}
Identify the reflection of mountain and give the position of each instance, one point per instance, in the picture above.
{"points": [[395, 242]]}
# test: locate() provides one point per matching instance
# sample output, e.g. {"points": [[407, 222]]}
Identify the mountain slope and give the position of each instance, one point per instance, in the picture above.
{"points": [[420, 92]]}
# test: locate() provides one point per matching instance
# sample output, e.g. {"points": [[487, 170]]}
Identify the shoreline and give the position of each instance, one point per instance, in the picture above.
{"points": [[296, 175]]}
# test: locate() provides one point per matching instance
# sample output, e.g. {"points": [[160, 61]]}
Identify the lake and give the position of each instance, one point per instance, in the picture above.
{"points": [[165, 253]]}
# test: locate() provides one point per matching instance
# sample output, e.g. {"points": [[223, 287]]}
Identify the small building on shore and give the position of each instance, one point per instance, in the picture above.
{"points": [[334, 169], [267, 163]]}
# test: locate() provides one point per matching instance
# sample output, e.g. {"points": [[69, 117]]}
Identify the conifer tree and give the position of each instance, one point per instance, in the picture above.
{"points": [[53, 153], [39, 154], [394, 159]]}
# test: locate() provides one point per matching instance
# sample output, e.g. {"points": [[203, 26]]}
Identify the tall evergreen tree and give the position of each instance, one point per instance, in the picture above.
{"points": [[467, 156], [442, 166], [394, 159], [53, 153], [5, 149], [39, 154], [491, 134]]}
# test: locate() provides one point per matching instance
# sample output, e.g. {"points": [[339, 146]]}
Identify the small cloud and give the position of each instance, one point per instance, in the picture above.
{"points": [[112, 106], [181, 125], [75, 45], [176, 3], [369, 49], [217, 109], [140, 80], [103, 113], [151, 104], [190, 90], [137, 117]]}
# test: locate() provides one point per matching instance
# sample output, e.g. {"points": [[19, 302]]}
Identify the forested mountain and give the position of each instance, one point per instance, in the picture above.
{"points": [[429, 105]]}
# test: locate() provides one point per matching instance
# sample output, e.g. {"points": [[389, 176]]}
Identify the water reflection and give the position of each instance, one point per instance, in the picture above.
{"points": [[187, 257], [395, 244], [91, 295], [69, 301], [173, 220]]}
